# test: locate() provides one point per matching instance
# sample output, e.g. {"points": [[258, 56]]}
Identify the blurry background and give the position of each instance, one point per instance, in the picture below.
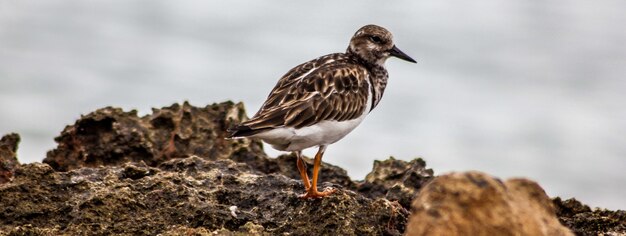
{"points": [[513, 88]]}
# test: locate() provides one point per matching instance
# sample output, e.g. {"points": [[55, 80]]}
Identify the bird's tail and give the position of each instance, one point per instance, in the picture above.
{"points": [[242, 131]]}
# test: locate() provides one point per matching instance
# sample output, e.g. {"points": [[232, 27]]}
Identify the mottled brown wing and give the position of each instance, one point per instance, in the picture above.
{"points": [[332, 91]]}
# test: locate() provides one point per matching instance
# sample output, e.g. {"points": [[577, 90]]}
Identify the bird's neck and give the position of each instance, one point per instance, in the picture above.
{"points": [[360, 58], [378, 75], [378, 81]]}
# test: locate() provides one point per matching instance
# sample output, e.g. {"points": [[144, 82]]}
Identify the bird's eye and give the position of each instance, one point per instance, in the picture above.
{"points": [[376, 39]]}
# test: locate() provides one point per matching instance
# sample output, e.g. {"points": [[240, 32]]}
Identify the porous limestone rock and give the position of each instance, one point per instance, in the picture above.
{"points": [[183, 195], [8, 156], [585, 221], [474, 203], [172, 172], [111, 136]]}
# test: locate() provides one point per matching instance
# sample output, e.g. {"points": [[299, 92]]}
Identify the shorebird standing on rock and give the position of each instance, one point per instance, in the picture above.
{"points": [[319, 102]]}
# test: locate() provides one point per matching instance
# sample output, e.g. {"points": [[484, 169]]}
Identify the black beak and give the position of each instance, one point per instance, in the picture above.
{"points": [[399, 54]]}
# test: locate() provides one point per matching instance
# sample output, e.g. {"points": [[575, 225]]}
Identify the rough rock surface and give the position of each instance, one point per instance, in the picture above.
{"points": [[396, 180], [110, 136], [190, 193], [584, 221], [474, 203], [8, 156], [173, 173]]}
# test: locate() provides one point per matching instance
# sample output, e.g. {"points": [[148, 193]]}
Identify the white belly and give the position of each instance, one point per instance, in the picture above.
{"points": [[323, 133]]}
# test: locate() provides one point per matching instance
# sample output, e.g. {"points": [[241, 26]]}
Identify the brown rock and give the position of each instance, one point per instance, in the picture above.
{"points": [[474, 203], [585, 221], [173, 173], [110, 136], [286, 165], [183, 196], [396, 180], [8, 156]]}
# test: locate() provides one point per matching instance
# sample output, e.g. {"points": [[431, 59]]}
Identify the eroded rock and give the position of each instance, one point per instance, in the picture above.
{"points": [[396, 180], [111, 136], [585, 221], [8, 156], [286, 165], [474, 203], [173, 173], [183, 194]]}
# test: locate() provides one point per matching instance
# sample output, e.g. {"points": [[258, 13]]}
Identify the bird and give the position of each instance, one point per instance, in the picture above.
{"points": [[319, 102]]}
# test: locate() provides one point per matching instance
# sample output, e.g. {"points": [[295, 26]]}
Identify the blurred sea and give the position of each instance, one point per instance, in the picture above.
{"points": [[512, 88]]}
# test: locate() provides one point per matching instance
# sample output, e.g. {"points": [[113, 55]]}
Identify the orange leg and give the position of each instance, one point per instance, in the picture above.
{"points": [[312, 192], [302, 169]]}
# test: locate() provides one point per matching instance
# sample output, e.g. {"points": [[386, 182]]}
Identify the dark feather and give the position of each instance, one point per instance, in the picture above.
{"points": [[243, 131], [332, 87]]}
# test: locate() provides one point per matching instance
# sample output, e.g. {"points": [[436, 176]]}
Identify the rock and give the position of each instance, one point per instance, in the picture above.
{"points": [[173, 173], [110, 136], [474, 203], [584, 221], [396, 180], [286, 165], [8, 156], [183, 195]]}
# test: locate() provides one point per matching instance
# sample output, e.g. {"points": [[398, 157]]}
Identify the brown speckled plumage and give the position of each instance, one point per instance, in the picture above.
{"points": [[332, 87], [335, 88]]}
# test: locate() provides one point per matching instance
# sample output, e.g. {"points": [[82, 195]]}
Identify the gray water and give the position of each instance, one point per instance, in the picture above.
{"points": [[512, 88]]}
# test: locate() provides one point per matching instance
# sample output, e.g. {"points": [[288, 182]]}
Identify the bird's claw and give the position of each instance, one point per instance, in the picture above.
{"points": [[313, 193]]}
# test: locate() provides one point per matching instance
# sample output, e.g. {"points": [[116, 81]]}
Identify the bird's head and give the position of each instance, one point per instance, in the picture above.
{"points": [[374, 44]]}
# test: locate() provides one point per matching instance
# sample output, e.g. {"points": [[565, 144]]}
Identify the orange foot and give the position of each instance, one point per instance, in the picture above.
{"points": [[313, 193]]}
